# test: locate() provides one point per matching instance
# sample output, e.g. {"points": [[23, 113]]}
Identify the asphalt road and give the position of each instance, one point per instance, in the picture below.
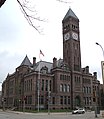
{"points": [[17, 115]]}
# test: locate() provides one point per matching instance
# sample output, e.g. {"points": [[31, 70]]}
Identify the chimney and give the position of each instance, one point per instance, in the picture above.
{"points": [[87, 69], [54, 62], [95, 74], [34, 61]]}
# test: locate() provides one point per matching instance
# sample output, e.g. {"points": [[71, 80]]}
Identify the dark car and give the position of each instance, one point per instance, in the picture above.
{"points": [[79, 111]]}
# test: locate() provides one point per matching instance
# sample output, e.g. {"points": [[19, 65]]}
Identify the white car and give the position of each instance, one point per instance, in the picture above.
{"points": [[79, 111]]}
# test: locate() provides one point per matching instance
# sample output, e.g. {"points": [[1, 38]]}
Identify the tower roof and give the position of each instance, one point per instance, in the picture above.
{"points": [[70, 13], [26, 61]]}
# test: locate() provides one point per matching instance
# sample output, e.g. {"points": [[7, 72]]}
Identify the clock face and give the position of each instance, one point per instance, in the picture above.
{"points": [[75, 36], [66, 36]]}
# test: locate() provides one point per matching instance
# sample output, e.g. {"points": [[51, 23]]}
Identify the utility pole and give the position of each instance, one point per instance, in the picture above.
{"points": [[23, 105], [95, 104], [49, 97], [24, 100], [38, 95]]}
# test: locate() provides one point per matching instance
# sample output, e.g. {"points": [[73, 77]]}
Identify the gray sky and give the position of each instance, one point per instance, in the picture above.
{"points": [[18, 38]]}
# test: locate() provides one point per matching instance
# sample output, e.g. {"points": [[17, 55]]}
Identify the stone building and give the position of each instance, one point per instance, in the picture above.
{"points": [[61, 84]]}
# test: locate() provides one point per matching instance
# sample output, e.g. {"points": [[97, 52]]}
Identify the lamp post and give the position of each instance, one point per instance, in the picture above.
{"points": [[49, 92], [100, 47], [102, 63]]}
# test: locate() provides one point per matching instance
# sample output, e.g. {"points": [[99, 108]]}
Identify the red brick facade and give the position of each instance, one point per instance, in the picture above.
{"points": [[62, 84]]}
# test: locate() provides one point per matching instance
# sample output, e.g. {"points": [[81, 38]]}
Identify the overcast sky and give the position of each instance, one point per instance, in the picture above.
{"points": [[18, 38]]}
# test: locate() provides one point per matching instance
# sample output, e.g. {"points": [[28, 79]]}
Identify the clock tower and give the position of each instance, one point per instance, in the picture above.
{"points": [[71, 41]]}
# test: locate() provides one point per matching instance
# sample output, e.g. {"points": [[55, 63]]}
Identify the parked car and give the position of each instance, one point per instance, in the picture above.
{"points": [[79, 111]]}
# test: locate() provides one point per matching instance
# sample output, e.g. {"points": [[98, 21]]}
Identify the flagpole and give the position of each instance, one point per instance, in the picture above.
{"points": [[39, 86], [41, 53]]}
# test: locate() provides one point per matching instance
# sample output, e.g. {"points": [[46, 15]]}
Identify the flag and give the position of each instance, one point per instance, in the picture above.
{"points": [[41, 53]]}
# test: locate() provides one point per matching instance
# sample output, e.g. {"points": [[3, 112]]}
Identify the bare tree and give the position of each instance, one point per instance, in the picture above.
{"points": [[29, 13], [27, 10]]}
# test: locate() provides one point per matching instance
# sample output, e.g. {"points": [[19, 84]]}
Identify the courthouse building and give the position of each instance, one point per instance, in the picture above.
{"points": [[61, 84]]}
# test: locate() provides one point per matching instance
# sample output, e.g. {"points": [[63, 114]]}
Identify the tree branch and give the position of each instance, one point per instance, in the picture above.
{"points": [[63, 1], [28, 16]]}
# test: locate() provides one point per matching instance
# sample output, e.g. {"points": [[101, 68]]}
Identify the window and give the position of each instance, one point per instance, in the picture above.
{"points": [[29, 100], [42, 100], [68, 88], [75, 79], [31, 84], [78, 79], [60, 77], [46, 85], [84, 89], [61, 87], [25, 86], [42, 84], [89, 89], [68, 77], [94, 100], [84, 99], [61, 99], [50, 85], [65, 88], [68, 99], [63, 77], [65, 100], [53, 100]]}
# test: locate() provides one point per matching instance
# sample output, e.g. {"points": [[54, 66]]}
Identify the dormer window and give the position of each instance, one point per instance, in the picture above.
{"points": [[44, 70]]}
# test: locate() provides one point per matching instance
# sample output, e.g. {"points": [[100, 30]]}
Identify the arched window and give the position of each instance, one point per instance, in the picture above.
{"points": [[89, 89], [61, 87], [68, 88], [65, 88], [84, 89]]}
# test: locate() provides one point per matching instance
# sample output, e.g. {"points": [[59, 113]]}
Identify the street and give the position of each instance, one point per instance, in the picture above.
{"points": [[21, 115]]}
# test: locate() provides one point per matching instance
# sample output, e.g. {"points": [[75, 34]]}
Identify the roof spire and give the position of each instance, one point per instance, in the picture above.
{"points": [[70, 13], [26, 61]]}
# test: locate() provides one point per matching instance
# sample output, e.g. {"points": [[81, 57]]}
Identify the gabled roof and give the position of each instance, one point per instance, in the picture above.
{"points": [[26, 61], [70, 13], [41, 64]]}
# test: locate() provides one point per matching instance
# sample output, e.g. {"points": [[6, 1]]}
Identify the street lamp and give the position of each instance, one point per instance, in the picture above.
{"points": [[102, 64], [100, 47]]}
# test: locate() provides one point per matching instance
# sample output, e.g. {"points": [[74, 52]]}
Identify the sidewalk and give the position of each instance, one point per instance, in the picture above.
{"points": [[99, 116], [38, 113]]}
